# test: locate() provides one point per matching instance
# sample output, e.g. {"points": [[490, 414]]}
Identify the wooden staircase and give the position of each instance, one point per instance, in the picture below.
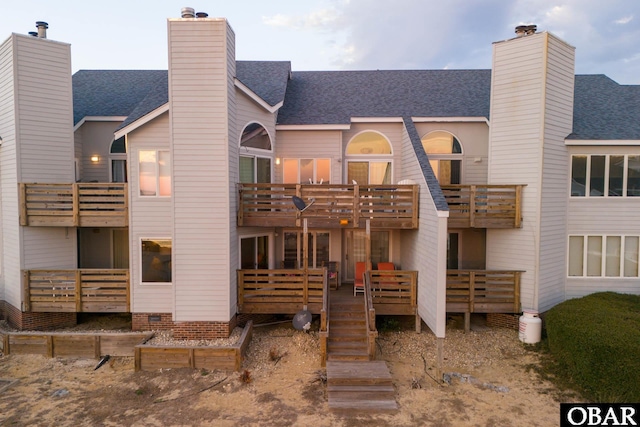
{"points": [[363, 385], [348, 337], [353, 381]]}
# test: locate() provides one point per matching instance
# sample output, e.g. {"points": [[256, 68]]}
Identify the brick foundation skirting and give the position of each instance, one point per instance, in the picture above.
{"points": [[182, 330], [36, 321], [500, 320]]}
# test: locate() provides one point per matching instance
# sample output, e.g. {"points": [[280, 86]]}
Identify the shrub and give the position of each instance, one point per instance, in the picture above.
{"points": [[596, 341]]}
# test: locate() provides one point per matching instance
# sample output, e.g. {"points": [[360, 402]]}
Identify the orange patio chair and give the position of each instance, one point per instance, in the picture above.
{"points": [[358, 281]]}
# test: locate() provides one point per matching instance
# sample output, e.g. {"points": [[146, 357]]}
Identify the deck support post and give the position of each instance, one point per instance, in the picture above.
{"points": [[439, 358]]}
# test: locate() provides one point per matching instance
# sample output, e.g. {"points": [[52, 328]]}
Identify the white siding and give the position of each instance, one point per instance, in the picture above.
{"points": [[10, 262], [203, 137], [149, 217], [45, 110], [555, 173], [49, 247], [425, 249], [531, 114]]}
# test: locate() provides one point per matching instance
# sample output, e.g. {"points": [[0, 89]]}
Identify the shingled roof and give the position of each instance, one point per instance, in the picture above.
{"points": [[605, 110], [113, 92], [134, 93], [333, 97]]}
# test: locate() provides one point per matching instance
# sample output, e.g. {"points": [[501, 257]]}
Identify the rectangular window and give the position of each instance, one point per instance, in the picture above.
{"points": [[616, 176], [317, 249], [369, 172], [576, 255], [602, 256], [633, 176], [155, 173], [631, 256], [118, 170], [156, 260], [578, 175], [596, 180], [605, 175], [306, 171]]}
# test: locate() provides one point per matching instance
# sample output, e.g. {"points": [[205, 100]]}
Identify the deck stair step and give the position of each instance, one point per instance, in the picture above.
{"points": [[360, 385]]}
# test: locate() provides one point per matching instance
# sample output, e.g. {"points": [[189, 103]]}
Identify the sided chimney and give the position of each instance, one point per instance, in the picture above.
{"points": [[42, 29]]}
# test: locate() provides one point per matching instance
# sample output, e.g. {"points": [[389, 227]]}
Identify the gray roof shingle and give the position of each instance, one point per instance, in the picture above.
{"points": [[605, 110], [333, 97], [135, 93], [112, 92]]}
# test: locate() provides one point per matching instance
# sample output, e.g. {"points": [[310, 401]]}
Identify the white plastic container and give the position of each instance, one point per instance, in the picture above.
{"points": [[530, 327]]}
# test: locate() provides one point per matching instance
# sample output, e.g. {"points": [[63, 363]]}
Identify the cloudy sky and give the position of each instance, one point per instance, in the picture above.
{"points": [[341, 34]]}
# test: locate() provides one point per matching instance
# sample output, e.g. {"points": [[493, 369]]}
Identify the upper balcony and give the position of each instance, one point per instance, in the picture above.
{"points": [[484, 206], [74, 205], [329, 206]]}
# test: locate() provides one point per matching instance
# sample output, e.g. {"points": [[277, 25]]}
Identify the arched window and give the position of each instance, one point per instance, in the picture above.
{"points": [[255, 164], [255, 135], [445, 156], [118, 159], [369, 159]]}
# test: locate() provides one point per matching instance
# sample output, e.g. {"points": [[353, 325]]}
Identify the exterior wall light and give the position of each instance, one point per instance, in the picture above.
{"points": [[277, 160], [95, 158]]}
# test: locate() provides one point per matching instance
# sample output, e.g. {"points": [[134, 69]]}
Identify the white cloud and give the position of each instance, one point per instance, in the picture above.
{"points": [[321, 19], [624, 20]]}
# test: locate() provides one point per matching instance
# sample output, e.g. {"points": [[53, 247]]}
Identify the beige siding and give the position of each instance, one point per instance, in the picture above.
{"points": [[45, 110], [531, 114], [10, 285], [96, 140], [425, 250], [249, 111], [326, 144], [149, 217], [202, 158]]}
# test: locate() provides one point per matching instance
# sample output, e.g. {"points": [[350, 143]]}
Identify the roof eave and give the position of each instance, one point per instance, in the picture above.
{"points": [[255, 97], [98, 119], [141, 121]]}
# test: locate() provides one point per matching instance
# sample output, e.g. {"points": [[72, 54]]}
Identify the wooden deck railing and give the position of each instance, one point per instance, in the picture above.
{"points": [[324, 322], [394, 292], [484, 206], [483, 291], [370, 318], [74, 205], [83, 290], [281, 291], [334, 206]]}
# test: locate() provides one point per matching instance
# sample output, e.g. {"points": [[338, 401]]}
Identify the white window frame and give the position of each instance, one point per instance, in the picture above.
{"points": [[315, 168], [140, 240], [603, 256], [157, 174], [587, 186], [369, 158]]}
